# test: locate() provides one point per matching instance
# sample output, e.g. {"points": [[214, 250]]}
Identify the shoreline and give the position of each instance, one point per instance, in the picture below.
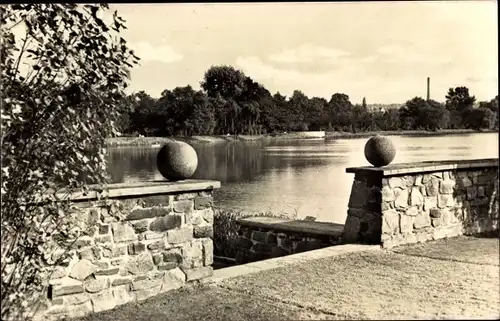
{"points": [[153, 141], [334, 135]]}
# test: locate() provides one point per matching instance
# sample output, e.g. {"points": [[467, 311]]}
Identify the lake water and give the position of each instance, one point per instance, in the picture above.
{"points": [[306, 177]]}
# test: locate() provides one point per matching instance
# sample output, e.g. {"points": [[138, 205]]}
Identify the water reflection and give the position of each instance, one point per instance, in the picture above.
{"points": [[307, 176]]}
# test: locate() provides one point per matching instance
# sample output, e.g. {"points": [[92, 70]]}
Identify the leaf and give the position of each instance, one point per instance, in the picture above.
{"points": [[94, 10]]}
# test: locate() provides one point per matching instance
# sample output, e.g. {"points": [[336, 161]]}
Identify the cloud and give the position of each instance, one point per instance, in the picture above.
{"points": [[473, 79], [409, 54], [147, 52], [143, 49], [258, 69], [369, 59], [315, 83], [372, 79], [391, 50], [393, 53], [308, 53]]}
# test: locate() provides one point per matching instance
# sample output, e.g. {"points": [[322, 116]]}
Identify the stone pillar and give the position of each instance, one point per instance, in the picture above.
{"points": [[364, 216]]}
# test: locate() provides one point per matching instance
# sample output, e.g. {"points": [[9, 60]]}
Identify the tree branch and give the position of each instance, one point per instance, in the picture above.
{"points": [[21, 53]]}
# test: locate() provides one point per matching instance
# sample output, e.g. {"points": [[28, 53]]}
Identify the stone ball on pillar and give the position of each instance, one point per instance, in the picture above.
{"points": [[379, 151], [177, 160]]}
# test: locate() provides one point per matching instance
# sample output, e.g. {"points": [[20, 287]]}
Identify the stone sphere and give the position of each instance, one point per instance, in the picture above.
{"points": [[379, 151], [177, 161]]}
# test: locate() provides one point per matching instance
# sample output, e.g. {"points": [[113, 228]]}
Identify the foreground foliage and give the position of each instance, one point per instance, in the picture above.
{"points": [[63, 71]]}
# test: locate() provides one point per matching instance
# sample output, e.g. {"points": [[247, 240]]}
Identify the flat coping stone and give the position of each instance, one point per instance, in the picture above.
{"points": [[427, 166], [123, 190], [287, 225], [273, 263]]}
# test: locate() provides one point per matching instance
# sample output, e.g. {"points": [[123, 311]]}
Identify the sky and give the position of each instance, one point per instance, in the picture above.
{"points": [[383, 51]]}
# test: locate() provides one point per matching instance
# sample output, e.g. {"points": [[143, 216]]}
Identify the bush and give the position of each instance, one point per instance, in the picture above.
{"points": [[226, 229]]}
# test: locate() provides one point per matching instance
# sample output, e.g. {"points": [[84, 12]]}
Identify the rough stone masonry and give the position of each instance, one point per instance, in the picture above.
{"points": [[417, 203], [261, 238], [143, 246]]}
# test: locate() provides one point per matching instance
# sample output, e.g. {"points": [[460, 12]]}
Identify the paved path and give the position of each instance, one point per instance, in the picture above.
{"points": [[447, 279]]}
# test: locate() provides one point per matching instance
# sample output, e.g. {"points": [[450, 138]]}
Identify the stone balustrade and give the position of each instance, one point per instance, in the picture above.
{"points": [[155, 237], [261, 238], [391, 205], [417, 202]]}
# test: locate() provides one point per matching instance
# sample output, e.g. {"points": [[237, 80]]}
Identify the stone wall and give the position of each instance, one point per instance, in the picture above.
{"points": [[417, 202], [151, 239], [261, 238]]}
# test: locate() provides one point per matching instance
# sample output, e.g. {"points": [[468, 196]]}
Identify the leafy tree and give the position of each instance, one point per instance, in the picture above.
{"points": [[252, 100], [218, 108], [493, 106], [339, 109], [224, 81], [378, 120], [266, 110], [187, 112], [229, 84], [361, 118], [268, 118], [296, 107], [455, 120], [55, 118], [434, 116], [237, 104], [410, 112], [203, 119], [232, 112], [283, 119], [458, 99], [124, 121], [315, 113], [147, 118], [388, 120], [479, 118], [419, 113]]}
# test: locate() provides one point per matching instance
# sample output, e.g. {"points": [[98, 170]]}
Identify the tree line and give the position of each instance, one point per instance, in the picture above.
{"points": [[230, 102]]}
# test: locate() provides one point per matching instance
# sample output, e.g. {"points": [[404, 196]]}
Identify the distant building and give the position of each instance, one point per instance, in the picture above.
{"points": [[383, 107]]}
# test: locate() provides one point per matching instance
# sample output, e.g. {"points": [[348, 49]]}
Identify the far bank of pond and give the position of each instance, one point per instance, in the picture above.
{"points": [[151, 141]]}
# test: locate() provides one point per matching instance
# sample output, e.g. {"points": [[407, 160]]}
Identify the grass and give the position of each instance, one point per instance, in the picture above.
{"points": [[226, 229], [388, 285], [477, 250], [360, 286], [205, 304]]}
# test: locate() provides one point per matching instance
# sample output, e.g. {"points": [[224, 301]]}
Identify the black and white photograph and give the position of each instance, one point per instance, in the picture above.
{"points": [[249, 161]]}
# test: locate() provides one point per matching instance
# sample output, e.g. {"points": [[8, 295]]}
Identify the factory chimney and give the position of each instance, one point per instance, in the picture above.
{"points": [[428, 88]]}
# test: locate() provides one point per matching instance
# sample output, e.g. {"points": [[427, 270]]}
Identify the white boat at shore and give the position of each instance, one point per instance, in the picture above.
{"points": [[309, 134]]}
